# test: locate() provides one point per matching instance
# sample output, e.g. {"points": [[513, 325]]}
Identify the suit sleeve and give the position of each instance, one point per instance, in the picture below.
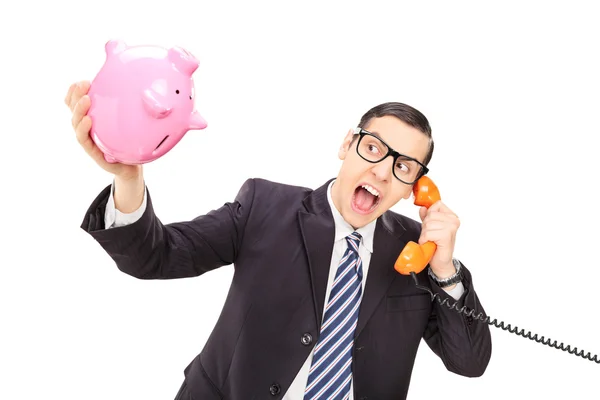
{"points": [[149, 249], [463, 343]]}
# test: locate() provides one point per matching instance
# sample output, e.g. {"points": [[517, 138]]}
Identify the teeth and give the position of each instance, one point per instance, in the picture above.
{"points": [[371, 190]]}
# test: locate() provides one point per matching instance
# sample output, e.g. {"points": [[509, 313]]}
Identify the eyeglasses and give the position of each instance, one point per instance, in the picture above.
{"points": [[373, 149]]}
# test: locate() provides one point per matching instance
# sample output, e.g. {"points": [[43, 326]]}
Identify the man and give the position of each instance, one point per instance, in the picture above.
{"points": [[316, 309]]}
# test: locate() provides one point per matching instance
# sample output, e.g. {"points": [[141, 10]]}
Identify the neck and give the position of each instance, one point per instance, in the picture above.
{"points": [[334, 196], [337, 203]]}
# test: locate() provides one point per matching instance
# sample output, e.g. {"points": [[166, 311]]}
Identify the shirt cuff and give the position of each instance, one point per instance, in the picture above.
{"points": [[114, 218], [457, 291]]}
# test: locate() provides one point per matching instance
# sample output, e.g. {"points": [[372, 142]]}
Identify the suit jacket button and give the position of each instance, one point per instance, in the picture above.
{"points": [[306, 339], [275, 389]]}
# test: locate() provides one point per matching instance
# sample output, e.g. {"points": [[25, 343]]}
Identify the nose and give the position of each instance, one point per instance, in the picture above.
{"points": [[383, 170]]}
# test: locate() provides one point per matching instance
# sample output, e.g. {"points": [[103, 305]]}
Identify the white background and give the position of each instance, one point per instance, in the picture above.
{"points": [[511, 92]]}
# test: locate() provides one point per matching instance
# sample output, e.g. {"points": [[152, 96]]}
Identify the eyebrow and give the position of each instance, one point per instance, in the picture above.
{"points": [[376, 134], [379, 136], [402, 156]]}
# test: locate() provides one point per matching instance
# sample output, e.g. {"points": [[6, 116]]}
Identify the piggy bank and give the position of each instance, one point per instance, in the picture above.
{"points": [[142, 102]]}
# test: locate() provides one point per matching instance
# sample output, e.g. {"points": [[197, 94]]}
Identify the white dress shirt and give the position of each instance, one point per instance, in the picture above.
{"points": [[115, 218]]}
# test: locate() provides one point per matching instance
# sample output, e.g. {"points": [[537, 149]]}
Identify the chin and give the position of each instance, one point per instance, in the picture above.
{"points": [[363, 203], [358, 220]]}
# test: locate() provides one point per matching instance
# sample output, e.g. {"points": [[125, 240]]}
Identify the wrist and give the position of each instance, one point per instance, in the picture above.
{"points": [[128, 193], [133, 174], [448, 282], [444, 272]]}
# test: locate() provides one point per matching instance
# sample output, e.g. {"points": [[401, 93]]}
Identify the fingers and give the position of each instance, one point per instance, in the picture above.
{"points": [[422, 213], [79, 111], [79, 102], [76, 91], [70, 94], [439, 234], [441, 216], [83, 137], [439, 225], [438, 211], [435, 225], [82, 131], [439, 206], [81, 90], [82, 124]]}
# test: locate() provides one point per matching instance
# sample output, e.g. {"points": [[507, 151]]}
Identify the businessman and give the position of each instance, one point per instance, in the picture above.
{"points": [[315, 309]]}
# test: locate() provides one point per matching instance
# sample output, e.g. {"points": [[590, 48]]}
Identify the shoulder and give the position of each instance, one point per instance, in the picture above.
{"points": [[265, 184], [398, 222], [261, 188]]}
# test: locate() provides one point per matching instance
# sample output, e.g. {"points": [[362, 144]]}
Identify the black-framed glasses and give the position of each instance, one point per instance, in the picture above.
{"points": [[373, 149]]}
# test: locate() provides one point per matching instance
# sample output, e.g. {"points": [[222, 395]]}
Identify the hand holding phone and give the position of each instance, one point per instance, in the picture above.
{"points": [[415, 257]]}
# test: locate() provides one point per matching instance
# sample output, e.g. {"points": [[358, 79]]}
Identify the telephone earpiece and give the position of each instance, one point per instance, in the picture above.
{"points": [[415, 257]]}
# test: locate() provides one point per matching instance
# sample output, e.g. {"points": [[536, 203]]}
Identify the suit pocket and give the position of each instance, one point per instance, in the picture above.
{"points": [[408, 302]]}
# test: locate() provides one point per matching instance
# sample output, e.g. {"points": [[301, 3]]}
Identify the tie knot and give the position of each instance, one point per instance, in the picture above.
{"points": [[353, 240]]}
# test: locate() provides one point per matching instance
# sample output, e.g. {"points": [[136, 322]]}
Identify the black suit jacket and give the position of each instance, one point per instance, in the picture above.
{"points": [[280, 239]]}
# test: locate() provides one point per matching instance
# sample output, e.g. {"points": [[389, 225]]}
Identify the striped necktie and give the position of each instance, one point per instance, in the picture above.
{"points": [[330, 374]]}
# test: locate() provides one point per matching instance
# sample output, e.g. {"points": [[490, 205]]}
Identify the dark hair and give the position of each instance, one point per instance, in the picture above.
{"points": [[405, 113]]}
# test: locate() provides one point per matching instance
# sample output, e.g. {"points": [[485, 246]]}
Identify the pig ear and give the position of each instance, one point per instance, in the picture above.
{"points": [[155, 104], [183, 60], [114, 47]]}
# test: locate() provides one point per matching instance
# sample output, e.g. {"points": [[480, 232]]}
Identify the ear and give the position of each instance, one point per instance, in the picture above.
{"points": [[408, 194], [345, 147], [114, 46], [183, 60]]}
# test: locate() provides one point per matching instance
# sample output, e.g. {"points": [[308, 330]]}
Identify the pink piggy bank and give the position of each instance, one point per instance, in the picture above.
{"points": [[142, 102]]}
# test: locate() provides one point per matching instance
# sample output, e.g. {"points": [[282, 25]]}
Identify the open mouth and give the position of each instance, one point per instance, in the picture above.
{"points": [[365, 199]]}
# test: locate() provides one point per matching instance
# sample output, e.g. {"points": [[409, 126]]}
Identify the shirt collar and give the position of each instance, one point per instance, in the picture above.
{"points": [[343, 228]]}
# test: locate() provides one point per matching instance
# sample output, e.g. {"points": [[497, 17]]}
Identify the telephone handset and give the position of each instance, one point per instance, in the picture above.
{"points": [[414, 258]]}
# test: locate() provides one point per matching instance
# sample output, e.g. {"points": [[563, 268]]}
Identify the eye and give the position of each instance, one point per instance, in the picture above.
{"points": [[402, 167], [373, 149], [177, 91], [190, 97]]}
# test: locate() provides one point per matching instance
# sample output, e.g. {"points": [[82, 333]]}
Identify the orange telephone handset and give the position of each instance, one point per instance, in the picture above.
{"points": [[415, 257]]}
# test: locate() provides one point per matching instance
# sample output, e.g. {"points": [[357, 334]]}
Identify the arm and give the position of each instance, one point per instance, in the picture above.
{"points": [[463, 343], [149, 249], [115, 218]]}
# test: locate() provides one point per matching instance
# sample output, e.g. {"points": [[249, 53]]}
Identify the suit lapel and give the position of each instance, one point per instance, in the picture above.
{"points": [[318, 233], [387, 245]]}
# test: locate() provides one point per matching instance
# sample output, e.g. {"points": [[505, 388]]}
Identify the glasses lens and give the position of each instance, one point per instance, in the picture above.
{"points": [[407, 170], [374, 150]]}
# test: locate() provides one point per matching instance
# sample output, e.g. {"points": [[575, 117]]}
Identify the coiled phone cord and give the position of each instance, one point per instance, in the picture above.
{"points": [[509, 328]]}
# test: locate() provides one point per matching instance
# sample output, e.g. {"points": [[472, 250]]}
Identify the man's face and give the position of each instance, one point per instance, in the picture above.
{"points": [[353, 201]]}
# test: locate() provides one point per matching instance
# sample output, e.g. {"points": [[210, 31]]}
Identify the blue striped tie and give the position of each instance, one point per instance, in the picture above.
{"points": [[330, 374]]}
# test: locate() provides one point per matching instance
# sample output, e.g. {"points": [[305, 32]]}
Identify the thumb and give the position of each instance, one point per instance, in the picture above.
{"points": [[422, 212]]}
